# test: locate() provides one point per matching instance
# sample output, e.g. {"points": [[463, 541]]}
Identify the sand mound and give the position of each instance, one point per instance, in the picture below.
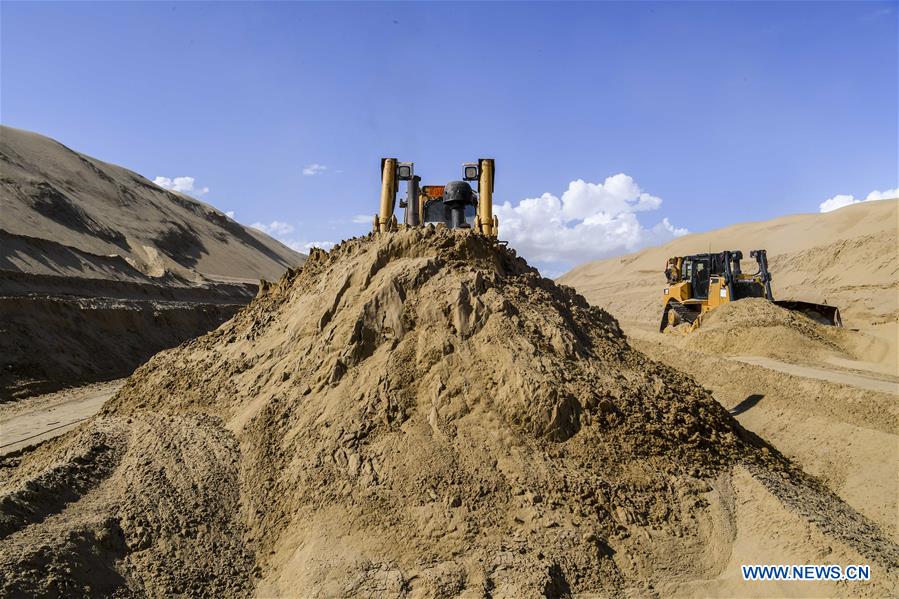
{"points": [[79, 238], [48, 342], [845, 258], [414, 414], [757, 327], [89, 208], [148, 506]]}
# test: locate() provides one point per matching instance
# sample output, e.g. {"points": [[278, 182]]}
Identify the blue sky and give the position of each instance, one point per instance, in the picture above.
{"points": [[713, 113]]}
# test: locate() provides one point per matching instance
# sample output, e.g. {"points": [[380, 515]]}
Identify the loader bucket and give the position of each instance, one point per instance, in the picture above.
{"points": [[822, 313]]}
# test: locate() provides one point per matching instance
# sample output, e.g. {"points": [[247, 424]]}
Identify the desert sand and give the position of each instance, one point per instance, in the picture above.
{"points": [[100, 268], [421, 414], [846, 258], [825, 397], [36, 419], [68, 214]]}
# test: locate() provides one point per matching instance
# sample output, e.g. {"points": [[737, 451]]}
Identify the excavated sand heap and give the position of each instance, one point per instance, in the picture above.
{"points": [[411, 414], [755, 326]]}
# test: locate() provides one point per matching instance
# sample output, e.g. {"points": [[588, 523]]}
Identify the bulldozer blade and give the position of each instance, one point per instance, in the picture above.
{"points": [[822, 313]]}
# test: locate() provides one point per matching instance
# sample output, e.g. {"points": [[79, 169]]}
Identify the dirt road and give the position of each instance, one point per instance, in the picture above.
{"points": [[834, 376], [43, 417], [838, 425]]}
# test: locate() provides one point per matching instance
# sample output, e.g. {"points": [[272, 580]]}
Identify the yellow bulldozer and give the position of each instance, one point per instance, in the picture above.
{"points": [[700, 283], [455, 205]]}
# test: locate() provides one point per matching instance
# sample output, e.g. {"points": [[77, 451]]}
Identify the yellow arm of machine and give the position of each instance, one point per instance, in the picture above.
{"points": [[487, 223], [386, 220]]}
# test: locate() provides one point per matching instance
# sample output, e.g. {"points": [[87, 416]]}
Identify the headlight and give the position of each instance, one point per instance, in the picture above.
{"points": [[404, 172], [470, 172]]}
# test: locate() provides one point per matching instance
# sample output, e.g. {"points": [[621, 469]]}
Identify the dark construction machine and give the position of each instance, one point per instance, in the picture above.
{"points": [[700, 283], [455, 205]]}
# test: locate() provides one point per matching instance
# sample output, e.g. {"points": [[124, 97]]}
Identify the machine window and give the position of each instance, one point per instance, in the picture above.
{"points": [[701, 282], [437, 212]]}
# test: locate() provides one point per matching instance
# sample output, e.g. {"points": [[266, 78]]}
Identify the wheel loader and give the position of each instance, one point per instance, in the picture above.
{"points": [[455, 205], [700, 283]]}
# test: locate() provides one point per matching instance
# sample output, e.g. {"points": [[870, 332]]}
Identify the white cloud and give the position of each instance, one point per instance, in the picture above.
{"points": [[836, 202], [363, 219], [314, 169], [230, 214], [665, 228], [619, 194], [304, 246], [589, 221], [181, 184], [281, 231], [842, 200], [889, 194], [276, 228], [324, 245]]}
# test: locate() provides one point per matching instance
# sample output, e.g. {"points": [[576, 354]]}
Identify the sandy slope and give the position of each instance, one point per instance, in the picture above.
{"points": [[50, 342], [846, 258], [825, 397], [104, 221], [417, 414], [100, 268]]}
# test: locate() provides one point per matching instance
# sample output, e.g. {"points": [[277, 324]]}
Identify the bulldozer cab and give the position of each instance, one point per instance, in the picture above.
{"points": [[697, 272], [437, 212], [456, 205]]}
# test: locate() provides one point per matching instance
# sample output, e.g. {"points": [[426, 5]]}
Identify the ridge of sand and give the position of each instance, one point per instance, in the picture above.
{"points": [[756, 327], [825, 397], [100, 268], [846, 258], [411, 414], [65, 212]]}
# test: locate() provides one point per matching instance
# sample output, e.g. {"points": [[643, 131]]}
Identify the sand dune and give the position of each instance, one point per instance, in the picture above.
{"points": [[846, 257], [100, 268], [94, 213], [826, 397], [418, 414]]}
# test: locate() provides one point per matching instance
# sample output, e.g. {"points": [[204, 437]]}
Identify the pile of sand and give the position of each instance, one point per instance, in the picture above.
{"points": [[757, 327], [411, 414], [69, 214], [100, 268], [845, 258], [48, 342]]}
